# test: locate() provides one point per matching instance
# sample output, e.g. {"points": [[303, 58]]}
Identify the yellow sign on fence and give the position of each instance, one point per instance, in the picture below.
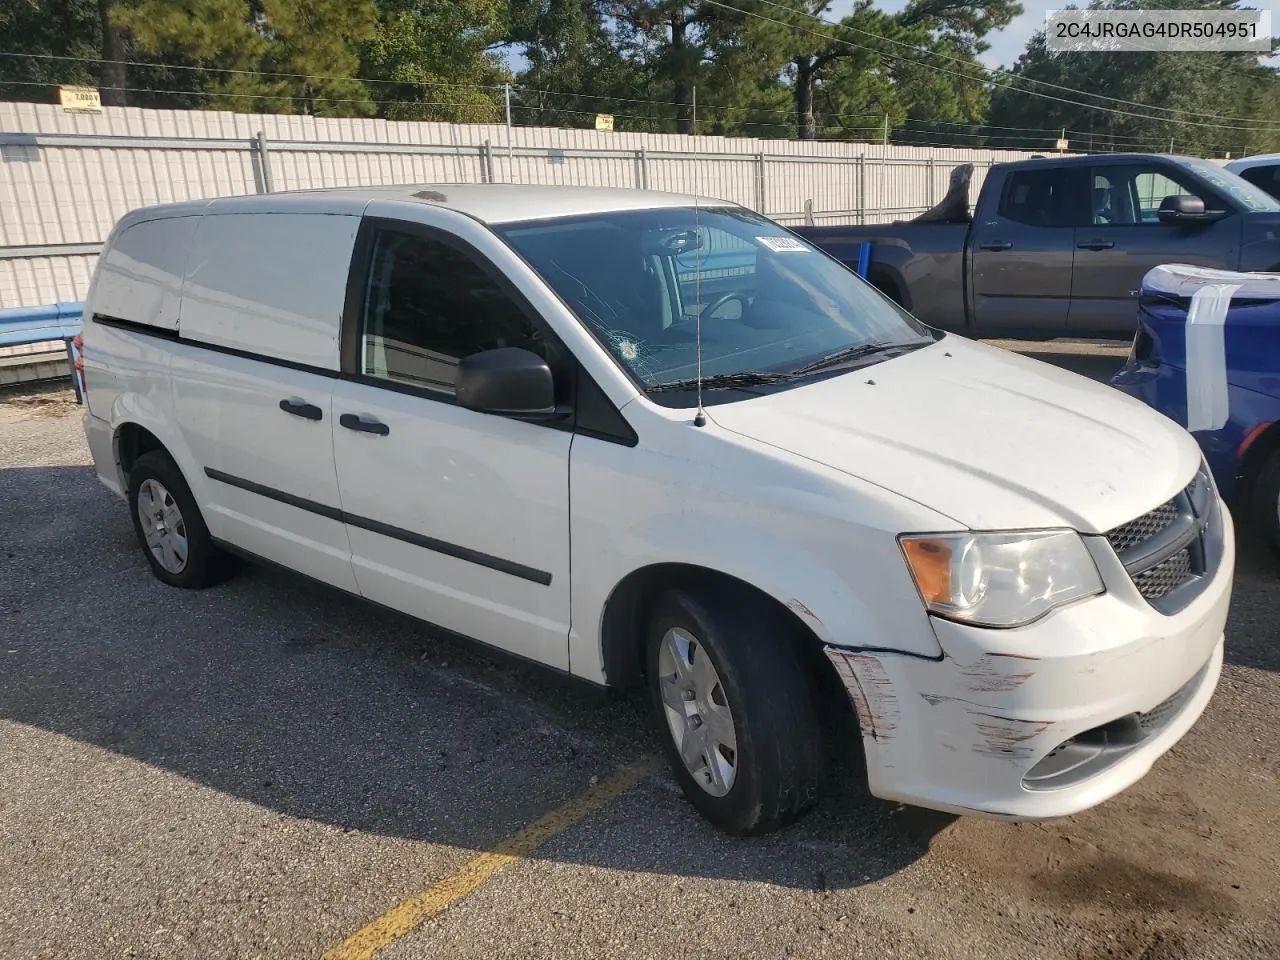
{"points": [[80, 99], [604, 121]]}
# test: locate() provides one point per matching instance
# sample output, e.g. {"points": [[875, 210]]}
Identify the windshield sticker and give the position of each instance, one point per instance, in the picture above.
{"points": [[783, 244]]}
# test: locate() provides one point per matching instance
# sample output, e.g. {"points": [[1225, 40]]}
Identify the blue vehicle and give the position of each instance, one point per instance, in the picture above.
{"points": [[1207, 355]]}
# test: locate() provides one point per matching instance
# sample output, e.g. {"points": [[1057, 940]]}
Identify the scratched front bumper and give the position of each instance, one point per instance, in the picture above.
{"points": [[961, 733]]}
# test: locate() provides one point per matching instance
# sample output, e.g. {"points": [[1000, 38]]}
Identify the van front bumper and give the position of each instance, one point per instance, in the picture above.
{"points": [[1044, 720]]}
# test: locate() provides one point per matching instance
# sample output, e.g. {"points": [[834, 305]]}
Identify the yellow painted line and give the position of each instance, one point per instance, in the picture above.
{"points": [[440, 896]]}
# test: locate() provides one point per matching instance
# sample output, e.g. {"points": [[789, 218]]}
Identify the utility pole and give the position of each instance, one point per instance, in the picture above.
{"points": [[506, 97], [693, 120], [886, 129]]}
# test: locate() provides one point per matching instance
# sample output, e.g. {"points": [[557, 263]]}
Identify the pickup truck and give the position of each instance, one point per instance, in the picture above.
{"points": [[1058, 247]]}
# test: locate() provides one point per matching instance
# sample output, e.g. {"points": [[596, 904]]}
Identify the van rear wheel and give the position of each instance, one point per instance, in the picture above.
{"points": [[735, 707], [170, 527]]}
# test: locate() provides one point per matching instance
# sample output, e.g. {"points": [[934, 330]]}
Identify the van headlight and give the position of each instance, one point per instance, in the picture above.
{"points": [[1000, 579]]}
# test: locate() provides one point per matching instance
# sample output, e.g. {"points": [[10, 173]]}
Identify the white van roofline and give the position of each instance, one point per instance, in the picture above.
{"points": [[489, 203]]}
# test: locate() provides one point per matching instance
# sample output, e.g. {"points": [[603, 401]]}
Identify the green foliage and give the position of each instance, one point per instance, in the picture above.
{"points": [[1195, 87], [68, 29], [438, 53], [297, 56], [766, 68]]}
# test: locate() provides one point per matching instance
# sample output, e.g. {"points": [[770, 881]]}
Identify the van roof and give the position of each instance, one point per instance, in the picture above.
{"points": [[490, 203]]}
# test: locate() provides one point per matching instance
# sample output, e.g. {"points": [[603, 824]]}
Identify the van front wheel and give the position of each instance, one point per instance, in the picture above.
{"points": [[170, 528], [735, 707]]}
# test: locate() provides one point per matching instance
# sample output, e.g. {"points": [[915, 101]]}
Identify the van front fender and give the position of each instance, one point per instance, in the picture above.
{"points": [[855, 599]]}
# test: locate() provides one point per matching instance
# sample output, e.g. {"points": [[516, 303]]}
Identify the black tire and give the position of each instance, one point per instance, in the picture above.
{"points": [[770, 694], [1264, 500], [206, 565]]}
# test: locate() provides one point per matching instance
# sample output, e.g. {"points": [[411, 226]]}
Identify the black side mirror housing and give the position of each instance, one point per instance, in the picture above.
{"points": [[509, 381], [1184, 210]]}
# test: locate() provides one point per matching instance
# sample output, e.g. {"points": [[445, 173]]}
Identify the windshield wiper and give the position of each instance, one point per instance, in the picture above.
{"points": [[723, 381], [857, 353]]}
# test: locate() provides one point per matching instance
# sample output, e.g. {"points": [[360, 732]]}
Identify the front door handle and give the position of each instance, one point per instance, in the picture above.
{"points": [[996, 245], [300, 408], [1096, 245], [364, 424]]}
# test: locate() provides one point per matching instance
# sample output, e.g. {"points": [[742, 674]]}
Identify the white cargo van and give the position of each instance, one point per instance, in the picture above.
{"points": [[479, 405]]}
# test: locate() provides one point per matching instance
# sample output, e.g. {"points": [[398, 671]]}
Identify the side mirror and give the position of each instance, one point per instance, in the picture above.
{"points": [[1182, 209], [509, 380]]}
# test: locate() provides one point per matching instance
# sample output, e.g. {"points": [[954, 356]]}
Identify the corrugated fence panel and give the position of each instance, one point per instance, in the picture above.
{"points": [[72, 193], [38, 280], [721, 177]]}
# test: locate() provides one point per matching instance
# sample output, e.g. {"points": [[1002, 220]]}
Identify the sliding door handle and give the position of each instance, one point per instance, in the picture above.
{"points": [[996, 245]]}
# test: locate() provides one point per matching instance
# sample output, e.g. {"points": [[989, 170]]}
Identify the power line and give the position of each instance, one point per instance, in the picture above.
{"points": [[492, 88], [248, 73], [945, 56], [411, 103], [789, 112], [818, 117], [256, 96]]}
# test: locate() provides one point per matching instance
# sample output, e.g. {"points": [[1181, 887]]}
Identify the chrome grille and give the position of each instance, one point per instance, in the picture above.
{"points": [[1165, 576], [1144, 528]]}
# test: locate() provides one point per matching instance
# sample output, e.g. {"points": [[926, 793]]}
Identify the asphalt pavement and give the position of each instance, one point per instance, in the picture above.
{"points": [[272, 769]]}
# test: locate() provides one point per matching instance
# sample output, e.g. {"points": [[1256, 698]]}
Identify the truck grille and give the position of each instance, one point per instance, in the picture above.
{"points": [[1171, 552]]}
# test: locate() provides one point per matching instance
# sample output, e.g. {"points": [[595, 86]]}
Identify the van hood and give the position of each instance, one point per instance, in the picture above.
{"points": [[990, 438]]}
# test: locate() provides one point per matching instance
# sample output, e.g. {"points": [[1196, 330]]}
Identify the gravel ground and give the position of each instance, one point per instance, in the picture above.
{"points": [[260, 769]]}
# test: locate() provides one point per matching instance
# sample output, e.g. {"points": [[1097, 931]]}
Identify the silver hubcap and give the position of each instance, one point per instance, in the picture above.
{"points": [[162, 526], [698, 712]]}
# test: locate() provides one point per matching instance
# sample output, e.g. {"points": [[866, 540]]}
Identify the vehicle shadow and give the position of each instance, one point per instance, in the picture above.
{"points": [[315, 705], [1251, 634]]}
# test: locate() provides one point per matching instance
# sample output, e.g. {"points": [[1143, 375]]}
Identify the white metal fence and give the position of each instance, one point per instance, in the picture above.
{"points": [[66, 178]]}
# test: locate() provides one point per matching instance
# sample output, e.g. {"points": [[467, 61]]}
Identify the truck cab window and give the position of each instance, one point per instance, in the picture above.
{"points": [[1039, 198], [427, 306], [1131, 195], [1267, 177]]}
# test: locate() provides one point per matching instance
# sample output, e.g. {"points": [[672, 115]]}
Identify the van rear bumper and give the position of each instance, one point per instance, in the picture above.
{"points": [[102, 447]]}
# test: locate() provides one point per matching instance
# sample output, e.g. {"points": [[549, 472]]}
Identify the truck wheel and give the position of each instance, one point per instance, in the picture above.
{"points": [[169, 526], [736, 709], [1264, 504]]}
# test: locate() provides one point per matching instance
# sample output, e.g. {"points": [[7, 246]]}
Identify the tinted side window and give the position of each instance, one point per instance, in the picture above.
{"points": [[1040, 198], [427, 306], [1267, 178]]}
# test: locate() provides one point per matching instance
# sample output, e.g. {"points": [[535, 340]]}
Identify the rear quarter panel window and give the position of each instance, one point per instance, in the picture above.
{"points": [[139, 276], [270, 283]]}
